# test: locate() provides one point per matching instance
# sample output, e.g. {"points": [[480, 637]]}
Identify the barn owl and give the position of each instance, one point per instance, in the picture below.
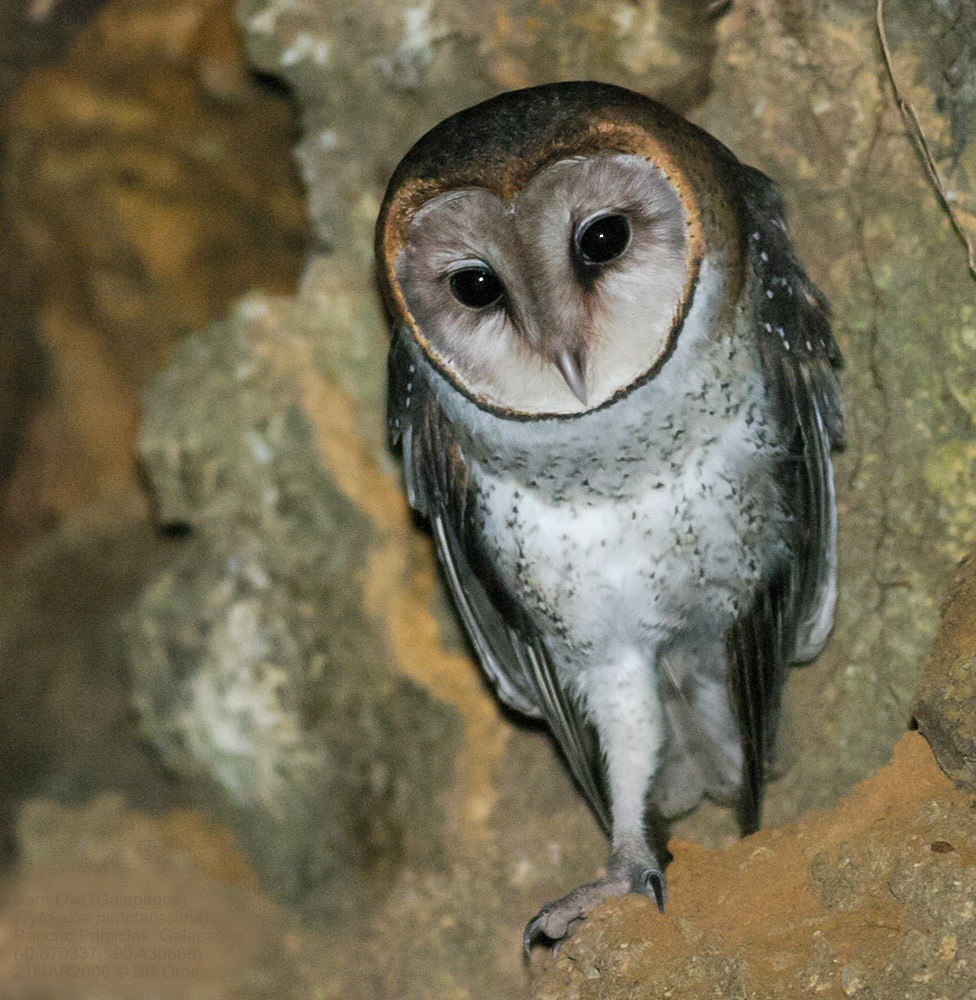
{"points": [[614, 387]]}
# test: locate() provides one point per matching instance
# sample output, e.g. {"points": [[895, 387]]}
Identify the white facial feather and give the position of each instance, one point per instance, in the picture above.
{"points": [[619, 316]]}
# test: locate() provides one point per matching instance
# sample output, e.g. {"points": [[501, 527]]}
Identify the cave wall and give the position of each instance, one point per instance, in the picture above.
{"points": [[142, 190], [288, 656]]}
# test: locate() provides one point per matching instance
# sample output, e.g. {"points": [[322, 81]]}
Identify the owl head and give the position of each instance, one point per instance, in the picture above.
{"points": [[544, 247]]}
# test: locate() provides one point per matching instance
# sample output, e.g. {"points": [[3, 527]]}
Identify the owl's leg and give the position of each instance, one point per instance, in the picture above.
{"points": [[622, 700]]}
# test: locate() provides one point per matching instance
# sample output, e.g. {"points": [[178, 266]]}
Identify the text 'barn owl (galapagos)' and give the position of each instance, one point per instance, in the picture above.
{"points": [[614, 388]]}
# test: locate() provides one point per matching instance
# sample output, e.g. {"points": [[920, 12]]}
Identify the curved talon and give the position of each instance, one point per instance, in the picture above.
{"points": [[529, 935], [654, 881]]}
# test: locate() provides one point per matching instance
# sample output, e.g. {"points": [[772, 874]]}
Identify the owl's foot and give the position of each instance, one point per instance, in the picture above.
{"points": [[556, 922]]}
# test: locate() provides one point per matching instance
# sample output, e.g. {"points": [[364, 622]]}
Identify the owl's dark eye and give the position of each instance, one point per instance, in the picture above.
{"points": [[476, 287], [602, 239]]}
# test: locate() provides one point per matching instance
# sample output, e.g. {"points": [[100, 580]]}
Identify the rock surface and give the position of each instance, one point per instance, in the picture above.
{"points": [[370, 83], [67, 728], [945, 706], [296, 662], [115, 903], [146, 185], [257, 670], [801, 93], [874, 899]]}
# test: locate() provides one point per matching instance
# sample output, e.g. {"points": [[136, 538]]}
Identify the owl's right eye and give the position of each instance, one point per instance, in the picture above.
{"points": [[602, 238], [476, 287]]}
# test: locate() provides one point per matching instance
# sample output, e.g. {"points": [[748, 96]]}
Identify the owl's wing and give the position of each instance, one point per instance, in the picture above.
{"points": [[511, 652], [792, 614]]}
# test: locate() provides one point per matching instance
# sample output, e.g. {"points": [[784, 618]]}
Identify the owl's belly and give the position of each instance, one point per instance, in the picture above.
{"points": [[665, 556]]}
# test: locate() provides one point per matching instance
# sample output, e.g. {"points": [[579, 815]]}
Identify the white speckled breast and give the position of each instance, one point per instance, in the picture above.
{"points": [[632, 524]]}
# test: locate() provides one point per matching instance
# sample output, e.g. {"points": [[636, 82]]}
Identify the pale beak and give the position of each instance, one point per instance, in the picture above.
{"points": [[572, 367]]}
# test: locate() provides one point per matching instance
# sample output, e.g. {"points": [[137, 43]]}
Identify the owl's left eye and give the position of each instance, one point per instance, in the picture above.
{"points": [[476, 287], [602, 238]]}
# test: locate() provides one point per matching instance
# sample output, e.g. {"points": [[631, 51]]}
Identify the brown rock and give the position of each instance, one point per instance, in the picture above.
{"points": [[370, 82], [147, 176], [258, 671], [865, 900], [109, 902], [945, 706], [66, 721], [21, 359]]}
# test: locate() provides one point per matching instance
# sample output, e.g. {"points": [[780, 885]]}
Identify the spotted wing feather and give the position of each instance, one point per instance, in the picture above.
{"points": [[511, 653], [792, 613]]}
